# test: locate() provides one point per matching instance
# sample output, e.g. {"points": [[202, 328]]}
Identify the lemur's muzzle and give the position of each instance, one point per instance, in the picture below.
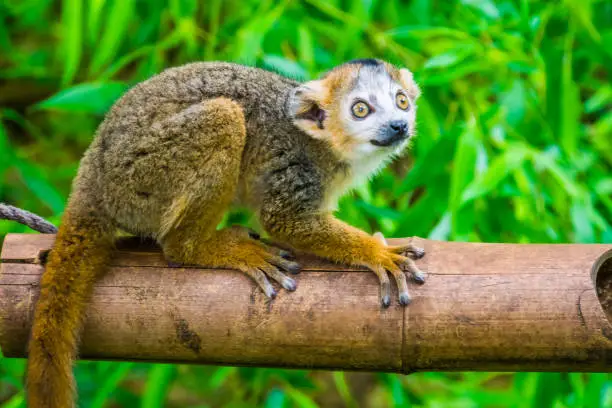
{"points": [[393, 133]]}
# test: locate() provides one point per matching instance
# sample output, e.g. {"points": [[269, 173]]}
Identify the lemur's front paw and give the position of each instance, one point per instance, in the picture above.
{"points": [[390, 258]]}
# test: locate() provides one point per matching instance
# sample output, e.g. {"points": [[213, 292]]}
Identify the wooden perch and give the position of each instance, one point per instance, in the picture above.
{"points": [[495, 307]]}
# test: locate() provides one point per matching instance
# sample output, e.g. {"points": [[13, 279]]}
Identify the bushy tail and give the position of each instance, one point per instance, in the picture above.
{"points": [[80, 255]]}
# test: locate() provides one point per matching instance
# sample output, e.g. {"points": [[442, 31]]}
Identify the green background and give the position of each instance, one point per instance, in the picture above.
{"points": [[514, 145]]}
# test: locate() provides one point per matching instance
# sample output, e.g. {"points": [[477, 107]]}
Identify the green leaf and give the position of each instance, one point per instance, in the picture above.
{"points": [[583, 228], [109, 384], [250, 36], [578, 386], [397, 392], [5, 40], [428, 167], [6, 155], [95, 98], [544, 161], [547, 390], [16, 401], [182, 9], [220, 376], [596, 387], [600, 100], [343, 389], [71, 29], [422, 216], [306, 47], [570, 103], [276, 399], [37, 182], [285, 66], [582, 14], [443, 77], [604, 187], [94, 17], [464, 168], [378, 212], [115, 32], [514, 101], [427, 33], [300, 399], [486, 7], [442, 230], [511, 159], [158, 384], [449, 58]]}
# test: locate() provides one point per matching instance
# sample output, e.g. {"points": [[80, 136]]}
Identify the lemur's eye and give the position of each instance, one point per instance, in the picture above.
{"points": [[402, 101], [360, 109]]}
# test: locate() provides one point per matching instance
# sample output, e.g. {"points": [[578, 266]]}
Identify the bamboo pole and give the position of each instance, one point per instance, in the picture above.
{"points": [[494, 307]]}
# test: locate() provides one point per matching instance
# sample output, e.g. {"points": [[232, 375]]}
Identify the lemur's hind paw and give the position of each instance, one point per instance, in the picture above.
{"points": [[260, 263], [240, 248], [275, 247]]}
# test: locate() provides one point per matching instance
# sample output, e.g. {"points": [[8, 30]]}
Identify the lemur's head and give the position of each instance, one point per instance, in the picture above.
{"points": [[363, 108]]}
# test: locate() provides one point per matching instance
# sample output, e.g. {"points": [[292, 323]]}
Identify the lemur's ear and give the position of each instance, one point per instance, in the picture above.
{"points": [[305, 107], [408, 83]]}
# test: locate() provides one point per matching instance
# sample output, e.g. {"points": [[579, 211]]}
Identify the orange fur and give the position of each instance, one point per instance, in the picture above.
{"points": [[81, 250]]}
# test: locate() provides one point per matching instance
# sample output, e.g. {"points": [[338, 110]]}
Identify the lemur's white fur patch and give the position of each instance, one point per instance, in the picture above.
{"points": [[375, 86]]}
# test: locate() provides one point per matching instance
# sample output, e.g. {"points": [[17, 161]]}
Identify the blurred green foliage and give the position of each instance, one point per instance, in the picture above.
{"points": [[514, 145]]}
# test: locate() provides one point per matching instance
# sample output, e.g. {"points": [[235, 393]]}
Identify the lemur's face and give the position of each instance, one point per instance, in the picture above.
{"points": [[363, 108]]}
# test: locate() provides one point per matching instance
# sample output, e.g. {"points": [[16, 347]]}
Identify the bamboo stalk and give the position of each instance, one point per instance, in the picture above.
{"points": [[493, 307]]}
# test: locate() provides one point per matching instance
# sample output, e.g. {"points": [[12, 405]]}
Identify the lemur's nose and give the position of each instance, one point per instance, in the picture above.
{"points": [[398, 127], [394, 132]]}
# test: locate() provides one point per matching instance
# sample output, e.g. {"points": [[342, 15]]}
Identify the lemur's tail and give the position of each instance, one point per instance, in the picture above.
{"points": [[80, 254]]}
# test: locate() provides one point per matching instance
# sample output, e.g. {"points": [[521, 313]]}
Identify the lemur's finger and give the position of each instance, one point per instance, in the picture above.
{"points": [[283, 253], [286, 254], [260, 278], [285, 281], [413, 250], [380, 237], [289, 266], [278, 248], [271, 246], [385, 286], [402, 284], [418, 275]]}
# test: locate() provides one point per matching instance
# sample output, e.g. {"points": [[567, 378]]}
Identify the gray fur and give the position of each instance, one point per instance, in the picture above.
{"points": [[284, 167]]}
